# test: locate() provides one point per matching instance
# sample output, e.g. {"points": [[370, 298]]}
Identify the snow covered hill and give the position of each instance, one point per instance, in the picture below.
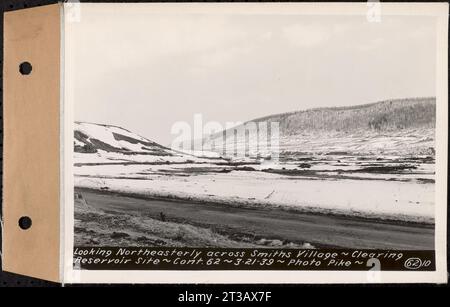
{"points": [[90, 138], [389, 115], [403, 127], [107, 144]]}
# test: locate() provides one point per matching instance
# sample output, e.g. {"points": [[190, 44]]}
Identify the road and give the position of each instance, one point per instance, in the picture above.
{"points": [[317, 229]]}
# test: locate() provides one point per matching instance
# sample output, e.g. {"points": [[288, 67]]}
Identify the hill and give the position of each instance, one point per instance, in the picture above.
{"points": [[380, 116], [401, 126], [90, 138]]}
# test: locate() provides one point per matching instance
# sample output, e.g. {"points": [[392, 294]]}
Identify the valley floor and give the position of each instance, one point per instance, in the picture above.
{"points": [[113, 219], [397, 189], [304, 201]]}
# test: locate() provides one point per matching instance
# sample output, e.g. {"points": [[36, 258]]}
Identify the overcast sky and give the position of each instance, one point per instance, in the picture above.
{"points": [[144, 71]]}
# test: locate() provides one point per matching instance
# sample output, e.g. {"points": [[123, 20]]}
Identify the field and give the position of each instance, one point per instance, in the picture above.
{"points": [[388, 188], [337, 201]]}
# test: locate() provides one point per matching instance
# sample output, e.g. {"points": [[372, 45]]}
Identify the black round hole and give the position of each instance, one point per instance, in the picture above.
{"points": [[25, 68], [24, 222]]}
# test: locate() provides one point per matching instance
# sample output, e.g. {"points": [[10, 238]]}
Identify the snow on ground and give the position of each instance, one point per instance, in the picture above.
{"points": [[104, 132], [200, 154], [408, 201], [367, 174], [398, 142], [403, 141], [103, 157]]}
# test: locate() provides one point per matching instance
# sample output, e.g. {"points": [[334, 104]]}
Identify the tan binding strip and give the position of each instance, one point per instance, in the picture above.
{"points": [[31, 142]]}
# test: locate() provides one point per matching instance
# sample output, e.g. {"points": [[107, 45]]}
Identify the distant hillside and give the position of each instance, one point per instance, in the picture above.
{"points": [[380, 116], [403, 126]]}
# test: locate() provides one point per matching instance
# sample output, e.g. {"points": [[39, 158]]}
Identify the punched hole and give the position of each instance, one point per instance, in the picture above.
{"points": [[24, 222], [25, 68]]}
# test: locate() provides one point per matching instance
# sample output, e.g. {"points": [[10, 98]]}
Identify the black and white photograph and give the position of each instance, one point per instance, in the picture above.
{"points": [[224, 151], [224, 128]]}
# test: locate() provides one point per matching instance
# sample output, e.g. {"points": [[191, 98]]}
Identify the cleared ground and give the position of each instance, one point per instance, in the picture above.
{"points": [[240, 226]]}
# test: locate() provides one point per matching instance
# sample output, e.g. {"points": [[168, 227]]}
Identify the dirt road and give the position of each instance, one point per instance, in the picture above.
{"points": [[316, 229]]}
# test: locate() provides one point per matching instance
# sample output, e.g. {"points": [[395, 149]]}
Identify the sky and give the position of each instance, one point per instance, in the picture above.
{"points": [[144, 70]]}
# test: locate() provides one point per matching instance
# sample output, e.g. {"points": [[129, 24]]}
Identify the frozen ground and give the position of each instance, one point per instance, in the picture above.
{"points": [[383, 176], [385, 190], [389, 199]]}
